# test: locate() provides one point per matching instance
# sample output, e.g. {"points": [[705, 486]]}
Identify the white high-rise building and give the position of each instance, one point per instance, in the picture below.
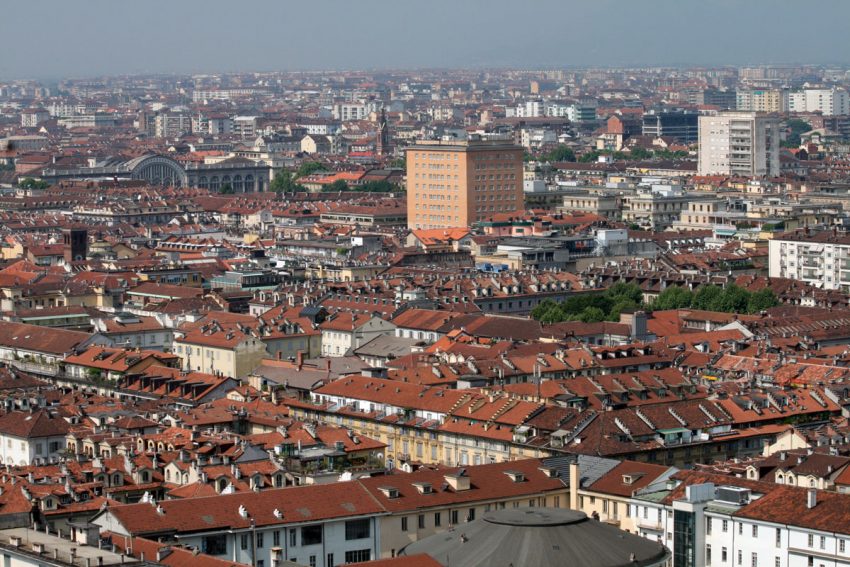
{"points": [[743, 144], [829, 102], [820, 258]]}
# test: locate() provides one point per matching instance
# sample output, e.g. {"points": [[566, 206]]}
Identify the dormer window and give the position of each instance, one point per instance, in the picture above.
{"points": [[389, 491], [516, 476], [423, 487], [629, 479]]}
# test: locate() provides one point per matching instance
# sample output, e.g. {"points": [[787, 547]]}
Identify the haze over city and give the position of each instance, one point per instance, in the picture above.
{"points": [[442, 284], [96, 37]]}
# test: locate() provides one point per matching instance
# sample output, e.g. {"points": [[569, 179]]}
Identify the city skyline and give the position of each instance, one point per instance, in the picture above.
{"points": [[182, 38]]}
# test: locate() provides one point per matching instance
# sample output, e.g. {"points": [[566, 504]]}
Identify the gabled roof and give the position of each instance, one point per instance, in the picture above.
{"points": [[31, 425], [40, 339], [299, 504]]}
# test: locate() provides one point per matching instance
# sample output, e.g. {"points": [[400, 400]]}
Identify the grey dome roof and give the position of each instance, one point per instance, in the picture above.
{"points": [[539, 537]]}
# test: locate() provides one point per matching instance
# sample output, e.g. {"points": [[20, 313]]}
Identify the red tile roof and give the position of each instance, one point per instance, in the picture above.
{"points": [[297, 504]]}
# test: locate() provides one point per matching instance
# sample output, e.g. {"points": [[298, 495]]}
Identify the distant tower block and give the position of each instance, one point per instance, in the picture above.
{"points": [[76, 241]]}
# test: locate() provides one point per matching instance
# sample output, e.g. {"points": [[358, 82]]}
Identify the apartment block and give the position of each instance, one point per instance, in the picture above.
{"points": [[819, 258], [744, 144], [456, 183]]}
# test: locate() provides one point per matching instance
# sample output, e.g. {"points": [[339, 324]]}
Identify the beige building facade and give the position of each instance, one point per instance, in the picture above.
{"points": [[456, 183]]}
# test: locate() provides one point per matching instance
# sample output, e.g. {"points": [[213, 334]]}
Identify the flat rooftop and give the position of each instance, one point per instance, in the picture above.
{"points": [[53, 544]]}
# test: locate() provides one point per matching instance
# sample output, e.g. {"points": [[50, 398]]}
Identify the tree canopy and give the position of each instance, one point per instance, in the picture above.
{"points": [[30, 183], [381, 186], [338, 186], [309, 168], [731, 299], [226, 189], [591, 307], [561, 153], [796, 127], [284, 182], [590, 157]]}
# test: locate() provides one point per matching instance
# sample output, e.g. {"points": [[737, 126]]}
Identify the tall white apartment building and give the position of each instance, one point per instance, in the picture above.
{"points": [[821, 258], [348, 111], [829, 102], [531, 109], [744, 144]]}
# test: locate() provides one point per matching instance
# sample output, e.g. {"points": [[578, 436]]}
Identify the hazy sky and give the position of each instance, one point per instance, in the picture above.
{"points": [[64, 38]]}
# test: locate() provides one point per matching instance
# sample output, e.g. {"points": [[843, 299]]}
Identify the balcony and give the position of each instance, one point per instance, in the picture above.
{"points": [[649, 524]]}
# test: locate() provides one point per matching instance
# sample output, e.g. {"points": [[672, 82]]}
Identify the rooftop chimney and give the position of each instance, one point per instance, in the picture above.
{"points": [[811, 498]]}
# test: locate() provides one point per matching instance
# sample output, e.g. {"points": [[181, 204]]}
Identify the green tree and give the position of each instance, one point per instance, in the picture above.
{"points": [[630, 292], [640, 153], [541, 308], [673, 298], [284, 182], [561, 153], [761, 300], [667, 154], [338, 186], [733, 299], [590, 157], [796, 127], [30, 183], [591, 306], [707, 297], [309, 168], [398, 163], [226, 189], [591, 315], [382, 186]]}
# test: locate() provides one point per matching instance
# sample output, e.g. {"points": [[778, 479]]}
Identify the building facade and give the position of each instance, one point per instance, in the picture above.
{"points": [[821, 259], [744, 144], [456, 183]]}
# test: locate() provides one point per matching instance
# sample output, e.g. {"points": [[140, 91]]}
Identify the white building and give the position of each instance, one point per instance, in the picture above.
{"points": [[535, 138], [245, 126], [746, 523], [172, 125], [744, 144], [829, 102], [32, 117], [87, 121], [531, 109], [821, 259], [321, 525], [35, 437], [348, 111], [346, 331]]}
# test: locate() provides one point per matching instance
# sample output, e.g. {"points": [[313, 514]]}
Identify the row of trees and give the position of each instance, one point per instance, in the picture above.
{"points": [[30, 183], [565, 153], [607, 305], [729, 299], [591, 307]]}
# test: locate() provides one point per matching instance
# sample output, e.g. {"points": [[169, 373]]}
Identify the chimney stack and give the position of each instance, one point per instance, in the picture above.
{"points": [[811, 498]]}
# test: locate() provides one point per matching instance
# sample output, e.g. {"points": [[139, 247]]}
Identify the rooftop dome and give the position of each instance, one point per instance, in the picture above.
{"points": [[541, 537]]}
